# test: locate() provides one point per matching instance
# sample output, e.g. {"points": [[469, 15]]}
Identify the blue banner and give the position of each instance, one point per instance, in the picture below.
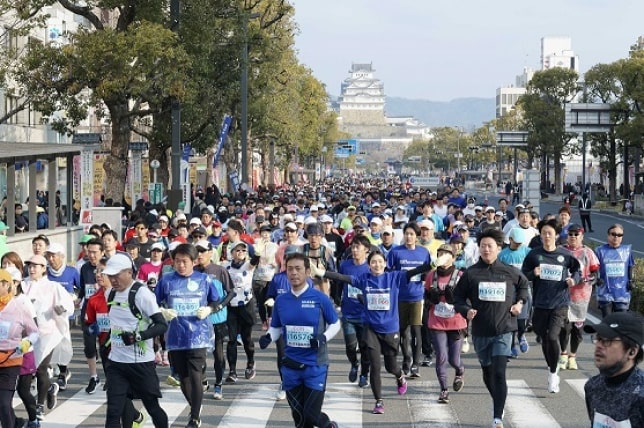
{"points": [[225, 127], [187, 148]]}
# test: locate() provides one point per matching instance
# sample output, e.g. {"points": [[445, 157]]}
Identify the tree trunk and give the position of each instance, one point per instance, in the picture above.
{"points": [[557, 166], [116, 164]]}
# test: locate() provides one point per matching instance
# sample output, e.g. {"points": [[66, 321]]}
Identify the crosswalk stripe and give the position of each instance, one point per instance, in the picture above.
{"points": [[524, 409], [341, 404], [425, 409], [578, 386], [251, 408], [74, 410]]}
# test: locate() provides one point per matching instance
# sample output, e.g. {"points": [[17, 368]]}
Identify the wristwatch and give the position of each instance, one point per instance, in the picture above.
{"points": [[138, 337]]}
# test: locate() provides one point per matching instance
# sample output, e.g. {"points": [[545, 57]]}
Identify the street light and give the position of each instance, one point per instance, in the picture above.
{"points": [[244, 99]]}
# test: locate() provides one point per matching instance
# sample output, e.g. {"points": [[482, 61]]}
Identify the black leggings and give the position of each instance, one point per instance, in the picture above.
{"points": [[24, 392], [42, 379], [494, 378], [7, 417], [571, 333], [221, 332], [306, 407], [190, 365], [240, 321]]}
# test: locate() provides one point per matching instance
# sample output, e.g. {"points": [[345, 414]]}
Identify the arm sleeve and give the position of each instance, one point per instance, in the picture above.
{"points": [[528, 268], [460, 295], [338, 277], [275, 333], [158, 327], [331, 330], [418, 270], [523, 286]]}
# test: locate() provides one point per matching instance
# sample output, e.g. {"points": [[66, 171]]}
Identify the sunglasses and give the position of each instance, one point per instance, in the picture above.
{"points": [[202, 250], [617, 235], [574, 233]]}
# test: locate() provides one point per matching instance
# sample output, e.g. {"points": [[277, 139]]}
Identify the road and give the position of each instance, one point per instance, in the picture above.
{"points": [[251, 404]]}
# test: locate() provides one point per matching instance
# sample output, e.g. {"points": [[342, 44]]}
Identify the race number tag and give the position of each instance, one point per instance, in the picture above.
{"points": [[4, 329], [89, 290], [604, 421], [103, 322], [353, 292], [115, 338], [299, 336], [186, 307], [551, 272], [615, 270], [492, 291], [378, 301], [444, 310]]}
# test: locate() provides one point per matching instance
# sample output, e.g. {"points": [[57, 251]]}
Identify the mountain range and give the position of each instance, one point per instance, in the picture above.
{"points": [[469, 113]]}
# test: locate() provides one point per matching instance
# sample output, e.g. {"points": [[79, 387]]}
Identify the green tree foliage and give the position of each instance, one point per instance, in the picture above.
{"points": [[543, 114]]}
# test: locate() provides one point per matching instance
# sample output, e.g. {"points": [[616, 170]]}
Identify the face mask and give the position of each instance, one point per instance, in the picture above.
{"points": [[442, 260], [470, 206], [376, 235]]}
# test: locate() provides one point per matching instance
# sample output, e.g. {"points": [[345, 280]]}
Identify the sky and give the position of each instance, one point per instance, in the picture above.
{"points": [[442, 50]]}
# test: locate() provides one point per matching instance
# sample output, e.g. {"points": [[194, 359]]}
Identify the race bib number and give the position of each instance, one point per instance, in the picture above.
{"points": [[378, 301], [615, 270], [115, 338], [103, 322], [185, 307], [517, 265], [444, 310], [603, 421], [353, 292], [4, 329], [299, 336], [264, 270], [551, 272], [492, 291], [89, 290]]}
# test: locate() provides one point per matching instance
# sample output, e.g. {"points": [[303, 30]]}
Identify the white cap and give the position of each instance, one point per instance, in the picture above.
{"points": [[287, 218], [163, 218], [388, 229], [499, 213], [478, 208], [314, 207], [157, 246], [180, 216], [326, 219], [173, 245], [117, 263], [427, 224], [376, 220], [310, 220], [290, 225], [299, 219], [195, 220], [55, 248], [375, 204], [15, 273]]}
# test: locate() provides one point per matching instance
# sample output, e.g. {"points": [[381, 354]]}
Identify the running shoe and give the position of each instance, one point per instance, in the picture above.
{"points": [[140, 421], [402, 385], [194, 423], [465, 348], [205, 385], [427, 361], [62, 381], [563, 361], [33, 424], [40, 412], [218, 395], [497, 423], [379, 408], [572, 363], [249, 373], [353, 373], [458, 383], [52, 395], [553, 383], [524, 346], [172, 381], [231, 378], [514, 352], [364, 381], [281, 394], [414, 372], [94, 381], [443, 398], [240, 342]]}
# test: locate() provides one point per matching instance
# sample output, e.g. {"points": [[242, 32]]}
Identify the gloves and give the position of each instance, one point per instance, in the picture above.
{"points": [[59, 309], [168, 314], [93, 329], [449, 295], [318, 342], [433, 295], [264, 341], [24, 346], [317, 272], [203, 312], [128, 338], [270, 302]]}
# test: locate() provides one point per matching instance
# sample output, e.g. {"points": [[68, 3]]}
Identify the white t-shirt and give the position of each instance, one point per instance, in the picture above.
{"points": [[121, 319]]}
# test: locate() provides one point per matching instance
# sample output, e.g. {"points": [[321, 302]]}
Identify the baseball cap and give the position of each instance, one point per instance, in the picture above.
{"points": [[314, 207], [575, 227], [173, 245], [117, 263], [488, 209], [427, 224], [351, 207], [287, 218], [204, 245], [195, 220], [180, 216], [153, 233], [478, 208], [519, 207], [292, 249], [628, 325], [37, 259], [239, 244], [388, 229], [199, 231], [326, 219], [376, 220], [157, 246], [375, 204], [499, 213], [86, 238], [517, 235], [290, 226], [55, 248], [314, 229], [163, 218], [359, 223], [461, 227], [6, 276], [265, 227], [299, 219], [446, 247]]}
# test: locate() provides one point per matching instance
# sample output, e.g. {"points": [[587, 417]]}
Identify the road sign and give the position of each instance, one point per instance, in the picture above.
{"points": [[588, 117], [424, 181], [512, 138], [345, 148], [155, 192]]}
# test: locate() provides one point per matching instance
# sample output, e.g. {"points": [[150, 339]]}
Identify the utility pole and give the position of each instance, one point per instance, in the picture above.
{"points": [[174, 192]]}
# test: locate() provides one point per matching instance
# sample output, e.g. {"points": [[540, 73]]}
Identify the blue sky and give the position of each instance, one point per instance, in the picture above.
{"points": [[441, 50]]}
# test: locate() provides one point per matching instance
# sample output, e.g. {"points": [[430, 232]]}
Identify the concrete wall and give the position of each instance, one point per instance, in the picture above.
{"points": [[67, 237]]}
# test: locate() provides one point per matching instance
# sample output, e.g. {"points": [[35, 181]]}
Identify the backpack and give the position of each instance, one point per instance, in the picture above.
{"points": [[130, 300]]}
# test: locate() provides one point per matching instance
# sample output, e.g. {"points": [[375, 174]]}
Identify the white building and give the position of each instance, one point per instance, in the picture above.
{"points": [[556, 51], [362, 100], [507, 96]]}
